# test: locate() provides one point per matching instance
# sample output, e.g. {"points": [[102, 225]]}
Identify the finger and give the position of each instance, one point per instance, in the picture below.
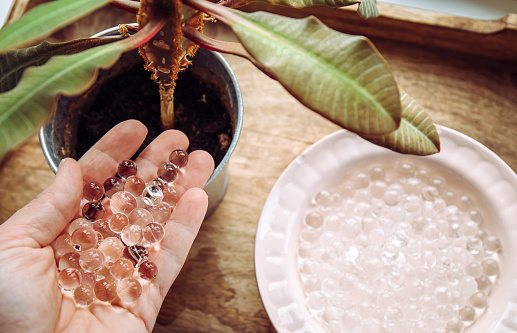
{"points": [[120, 143], [197, 172], [45, 217], [158, 152], [180, 232]]}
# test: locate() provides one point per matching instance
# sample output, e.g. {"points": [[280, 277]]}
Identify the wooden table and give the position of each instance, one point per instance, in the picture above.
{"points": [[216, 290]]}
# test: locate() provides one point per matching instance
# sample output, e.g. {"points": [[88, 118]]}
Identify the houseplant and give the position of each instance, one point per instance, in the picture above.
{"points": [[344, 77]]}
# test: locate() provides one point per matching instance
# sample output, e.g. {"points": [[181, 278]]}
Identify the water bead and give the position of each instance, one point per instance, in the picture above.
{"points": [[83, 295], [104, 273], [84, 238], [112, 248], [77, 223], [102, 227], [93, 191], [391, 198], [377, 173], [378, 188], [405, 170], [140, 216], [479, 300], [179, 157], [314, 219], [171, 195], [474, 269], [138, 253], [117, 222], [455, 325], [346, 190], [113, 185], [69, 260], [492, 244], [134, 185], [126, 169], [316, 300], [147, 270], [464, 203], [168, 172], [152, 195], [93, 211], [323, 198], [91, 260], [361, 180], [490, 266], [467, 313], [122, 268], [88, 278], [451, 198], [61, 245], [131, 235], [484, 284], [69, 278], [430, 193], [105, 290], [122, 202], [161, 212], [153, 233], [129, 289], [467, 286]]}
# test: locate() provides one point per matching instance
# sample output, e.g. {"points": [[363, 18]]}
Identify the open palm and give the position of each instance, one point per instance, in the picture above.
{"points": [[30, 298]]}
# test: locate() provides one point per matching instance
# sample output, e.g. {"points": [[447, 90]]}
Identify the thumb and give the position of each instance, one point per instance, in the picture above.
{"points": [[46, 216]]}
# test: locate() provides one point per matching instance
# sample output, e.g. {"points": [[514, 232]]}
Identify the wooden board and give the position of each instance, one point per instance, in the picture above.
{"points": [[216, 290]]}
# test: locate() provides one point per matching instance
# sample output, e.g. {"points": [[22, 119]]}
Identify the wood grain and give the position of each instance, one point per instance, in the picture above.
{"points": [[216, 290]]}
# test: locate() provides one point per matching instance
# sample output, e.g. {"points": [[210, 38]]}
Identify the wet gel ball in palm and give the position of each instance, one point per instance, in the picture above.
{"points": [[147, 270], [131, 235], [93, 191], [161, 213], [69, 260], [179, 157], [153, 233], [105, 290], [122, 268], [152, 195], [83, 295], [140, 216], [168, 172], [91, 260], [112, 248], [126, 169], [69, 278], [122, 202], [129, 289], [117, 222], [93, 211], [134, 185], [84, 238], [113, 185]]}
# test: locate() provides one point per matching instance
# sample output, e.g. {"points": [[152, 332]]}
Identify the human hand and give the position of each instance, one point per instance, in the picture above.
{"points": [[30, 298]]}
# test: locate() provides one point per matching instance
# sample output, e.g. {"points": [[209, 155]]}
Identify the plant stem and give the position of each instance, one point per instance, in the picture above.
{"points": [[167, 107]]}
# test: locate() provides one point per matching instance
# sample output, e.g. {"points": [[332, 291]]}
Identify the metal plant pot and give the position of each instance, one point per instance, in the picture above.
{"points": [[57, 137]]}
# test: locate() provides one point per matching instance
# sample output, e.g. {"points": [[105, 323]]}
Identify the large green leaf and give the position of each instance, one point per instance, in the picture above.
{"points": [[416, 135], [368, 9], [342, 77], [308, 3], [44, 19], [24, 108], [13, 63]]}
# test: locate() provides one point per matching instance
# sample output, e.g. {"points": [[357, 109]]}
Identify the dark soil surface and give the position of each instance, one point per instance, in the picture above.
{"points": [[200, 113]]}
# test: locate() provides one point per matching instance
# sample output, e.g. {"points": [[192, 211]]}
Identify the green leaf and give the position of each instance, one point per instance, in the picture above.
{"points": [[309, 3], [368, 9], [416, 135], [43, 20], [24, 108], [13, 63], [342, 77]]}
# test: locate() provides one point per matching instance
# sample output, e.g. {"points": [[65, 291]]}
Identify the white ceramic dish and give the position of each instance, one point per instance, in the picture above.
{"points": [[475, 9], [320, 165]]}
